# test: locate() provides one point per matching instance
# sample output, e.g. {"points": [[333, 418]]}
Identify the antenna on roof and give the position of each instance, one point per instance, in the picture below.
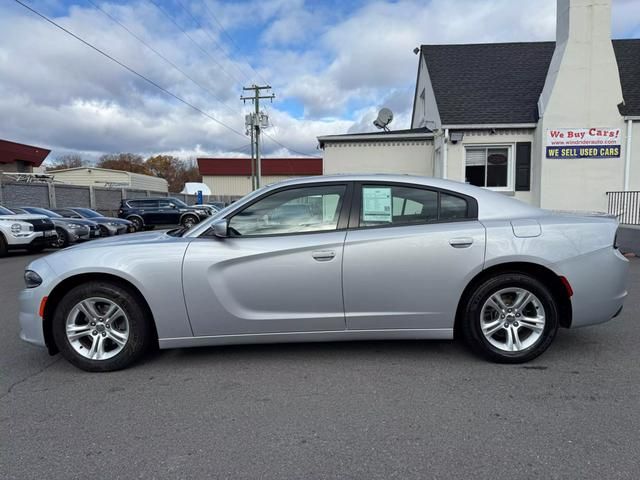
{"points": [[385, 117]]}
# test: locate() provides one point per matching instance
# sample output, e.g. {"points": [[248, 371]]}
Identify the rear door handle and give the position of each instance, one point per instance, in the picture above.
{"points": [[323, 255], [461, 242]]}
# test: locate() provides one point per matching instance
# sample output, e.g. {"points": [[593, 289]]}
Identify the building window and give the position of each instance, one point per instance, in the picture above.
{"points": [[489, 167]]}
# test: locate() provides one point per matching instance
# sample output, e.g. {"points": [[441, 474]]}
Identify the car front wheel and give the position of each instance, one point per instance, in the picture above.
{"points": [[188, 221], [510, 318], [99, 327]]}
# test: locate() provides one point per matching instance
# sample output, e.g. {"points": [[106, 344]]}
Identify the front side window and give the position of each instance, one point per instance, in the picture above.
{"points": [[398, 205], [298, 210], [488, 167]]}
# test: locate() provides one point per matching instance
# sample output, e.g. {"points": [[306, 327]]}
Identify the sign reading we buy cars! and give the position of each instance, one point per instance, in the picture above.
{"points": [[568, 143]]}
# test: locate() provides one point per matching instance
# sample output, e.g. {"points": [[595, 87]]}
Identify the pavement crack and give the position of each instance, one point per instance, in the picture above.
{"points": [[28, 377]]}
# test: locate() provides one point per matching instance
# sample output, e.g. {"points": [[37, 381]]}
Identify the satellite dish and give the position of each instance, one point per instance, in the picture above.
{"points": [[385, 117]]}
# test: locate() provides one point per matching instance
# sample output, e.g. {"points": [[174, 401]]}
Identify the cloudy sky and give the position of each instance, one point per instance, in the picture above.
{"points": [[332, 65]]}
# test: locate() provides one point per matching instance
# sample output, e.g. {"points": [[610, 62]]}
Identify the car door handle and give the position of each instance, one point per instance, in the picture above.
{"points": [[463, 242], [323, 255]]}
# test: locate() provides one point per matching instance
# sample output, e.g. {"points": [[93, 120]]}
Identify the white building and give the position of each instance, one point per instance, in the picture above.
{"points": [[556, 124], [105, 177], [232, 176]]}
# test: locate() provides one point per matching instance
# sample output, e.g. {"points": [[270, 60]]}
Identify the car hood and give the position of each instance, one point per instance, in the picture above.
{"points": [[21, 216], [149, 238], [79, 221]]}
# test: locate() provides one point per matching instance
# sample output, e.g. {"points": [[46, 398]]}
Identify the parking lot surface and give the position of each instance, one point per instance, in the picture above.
{"points": [[337, 410]]}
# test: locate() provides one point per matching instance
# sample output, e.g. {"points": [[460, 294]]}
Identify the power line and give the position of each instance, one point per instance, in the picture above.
{"points": [[206, 52], [237, 47], [162, 56], [211, 37], [126, 67], [285, 147]]}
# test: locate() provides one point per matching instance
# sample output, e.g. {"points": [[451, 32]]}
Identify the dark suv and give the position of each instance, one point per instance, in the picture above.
{"points": [[145, 212]]}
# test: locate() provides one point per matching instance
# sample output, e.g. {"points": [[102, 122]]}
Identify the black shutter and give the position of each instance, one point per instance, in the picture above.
{"points": [[523, 166]]}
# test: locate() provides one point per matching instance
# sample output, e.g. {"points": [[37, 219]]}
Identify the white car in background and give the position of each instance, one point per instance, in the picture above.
{"points": [[24, 232]]}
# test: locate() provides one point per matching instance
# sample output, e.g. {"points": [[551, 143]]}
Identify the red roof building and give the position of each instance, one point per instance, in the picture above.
{"points": [[232, 176], [18, 157]]}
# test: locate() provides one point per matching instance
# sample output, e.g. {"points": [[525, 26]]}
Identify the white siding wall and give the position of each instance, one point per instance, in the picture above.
{"points": [[456, 154], [147, 182], [410, 157], [91, 177], [237, 184], [634, 167]]}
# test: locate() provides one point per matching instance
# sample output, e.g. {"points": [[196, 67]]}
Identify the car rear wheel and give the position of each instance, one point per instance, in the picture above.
{"points": [[137, 223], [100, 327], [188, 221], [510, 318], [62, 240]]}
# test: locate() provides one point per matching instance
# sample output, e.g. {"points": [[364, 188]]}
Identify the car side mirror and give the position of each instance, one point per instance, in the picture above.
{"points": [[221, 228]]}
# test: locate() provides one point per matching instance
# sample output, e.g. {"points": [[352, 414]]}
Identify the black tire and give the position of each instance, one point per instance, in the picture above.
{"points": [[63, 239], [137, 223], [471, 321], [3, 246], [104, 231], [188, 221], [140, 338], [36, 248]]}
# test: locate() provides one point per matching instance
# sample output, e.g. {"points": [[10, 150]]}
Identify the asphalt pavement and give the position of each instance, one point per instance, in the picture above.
{"points": [[404, 409]]}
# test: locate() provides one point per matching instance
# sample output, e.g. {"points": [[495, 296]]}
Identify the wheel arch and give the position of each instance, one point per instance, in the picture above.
{"points": [[189, 214], [67, 284], [537, 271]]}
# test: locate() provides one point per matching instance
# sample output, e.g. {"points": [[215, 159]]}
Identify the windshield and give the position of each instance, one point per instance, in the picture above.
{"points": [[87, 212], [178, 202], [42, 211], [5, 211]]}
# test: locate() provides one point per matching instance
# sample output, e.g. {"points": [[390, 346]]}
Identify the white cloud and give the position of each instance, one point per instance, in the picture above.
{"points": [[56, 92]]}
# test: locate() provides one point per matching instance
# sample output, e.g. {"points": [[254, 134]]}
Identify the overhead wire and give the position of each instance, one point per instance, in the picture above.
{"points": [[128, 68], [224, 31], [202, 49], [173, 65], [206, 31]]}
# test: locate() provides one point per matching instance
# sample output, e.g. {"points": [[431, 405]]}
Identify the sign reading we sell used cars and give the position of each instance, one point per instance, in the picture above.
{"points": [[568, 143]]}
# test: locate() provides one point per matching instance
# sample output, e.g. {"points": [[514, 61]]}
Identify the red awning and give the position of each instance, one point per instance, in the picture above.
{"points": [[11, 152], [270, 166]]}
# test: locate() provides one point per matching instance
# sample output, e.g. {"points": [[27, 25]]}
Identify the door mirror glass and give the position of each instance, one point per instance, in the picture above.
{"points": [[220, 228]]}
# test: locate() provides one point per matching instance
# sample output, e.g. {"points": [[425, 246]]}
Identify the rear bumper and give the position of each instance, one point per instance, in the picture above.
{"points": [[599, 283]]}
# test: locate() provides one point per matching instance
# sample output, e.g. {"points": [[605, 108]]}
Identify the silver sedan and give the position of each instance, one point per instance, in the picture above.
{"points": [[333, 258]]}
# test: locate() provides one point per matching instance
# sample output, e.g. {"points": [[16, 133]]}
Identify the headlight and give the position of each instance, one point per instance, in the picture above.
{"points": [[202, 212], [32, 279], [113, 224], [16, 228], [73, 225]]}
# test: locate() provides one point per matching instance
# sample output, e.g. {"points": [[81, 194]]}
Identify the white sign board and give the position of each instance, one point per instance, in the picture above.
{"points": [[571, 143], [376, 204]]}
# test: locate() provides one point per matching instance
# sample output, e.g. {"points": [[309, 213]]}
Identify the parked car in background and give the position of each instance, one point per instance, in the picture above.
{"points": [[69, 230], [24, 232], [205, 206], [149, 212], [108, 225], [364, 257], [218, 205]]}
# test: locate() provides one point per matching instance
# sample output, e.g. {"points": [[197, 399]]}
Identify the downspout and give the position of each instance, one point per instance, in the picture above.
{"points": [[445, 163], [627, 157]]}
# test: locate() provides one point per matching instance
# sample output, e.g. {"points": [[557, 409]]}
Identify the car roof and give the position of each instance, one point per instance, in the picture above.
{"points": [[491, 204]]}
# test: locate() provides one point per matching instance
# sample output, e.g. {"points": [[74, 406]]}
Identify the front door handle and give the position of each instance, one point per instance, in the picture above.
{"points": [[463, 242], [323, 255]]}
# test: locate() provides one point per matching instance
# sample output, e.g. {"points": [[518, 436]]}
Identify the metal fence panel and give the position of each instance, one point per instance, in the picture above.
{"points": [[625, 206]]}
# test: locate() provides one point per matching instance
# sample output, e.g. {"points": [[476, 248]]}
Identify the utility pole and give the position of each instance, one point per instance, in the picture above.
{"points": [[256, 123]]}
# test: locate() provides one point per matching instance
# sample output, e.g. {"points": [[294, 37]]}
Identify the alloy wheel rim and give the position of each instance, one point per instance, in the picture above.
{"points": [[97, 328], [512, 319]]}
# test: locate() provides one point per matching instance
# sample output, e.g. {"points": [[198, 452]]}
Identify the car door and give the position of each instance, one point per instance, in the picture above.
{"points": [[278, 270], [409, 256]]}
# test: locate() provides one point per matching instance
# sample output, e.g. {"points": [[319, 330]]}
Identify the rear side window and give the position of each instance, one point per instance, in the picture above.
{"points": [[143, 203], [399, 205]]}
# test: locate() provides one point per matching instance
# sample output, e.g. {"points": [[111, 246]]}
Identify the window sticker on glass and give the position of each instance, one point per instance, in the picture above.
{"points": [[376, 204]]}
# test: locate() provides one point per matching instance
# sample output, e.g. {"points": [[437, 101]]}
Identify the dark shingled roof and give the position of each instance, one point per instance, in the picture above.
{"points": [[501, 82]]}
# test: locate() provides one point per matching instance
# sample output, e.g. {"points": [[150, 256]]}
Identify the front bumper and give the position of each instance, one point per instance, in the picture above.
{"points": [[32, 239], [29, 302]]}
